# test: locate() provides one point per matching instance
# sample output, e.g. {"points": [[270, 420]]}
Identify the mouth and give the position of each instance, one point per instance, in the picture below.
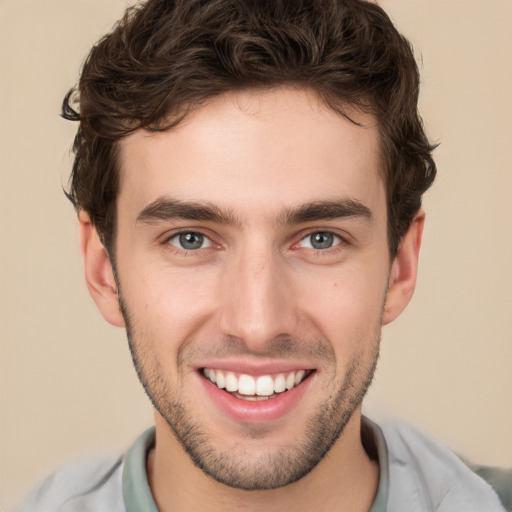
{"points": [[255, 389], [256, 394]]}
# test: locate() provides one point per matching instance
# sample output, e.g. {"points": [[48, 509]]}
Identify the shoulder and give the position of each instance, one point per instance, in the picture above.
{"points": [[435, 478], [92, 484], [500, 479]]}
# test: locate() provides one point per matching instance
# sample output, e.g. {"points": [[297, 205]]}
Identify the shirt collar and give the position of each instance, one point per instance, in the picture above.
{"points": [[137, 494]]}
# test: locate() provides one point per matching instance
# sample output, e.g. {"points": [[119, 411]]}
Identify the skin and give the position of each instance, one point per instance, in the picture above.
{"points": [[256, 290]]}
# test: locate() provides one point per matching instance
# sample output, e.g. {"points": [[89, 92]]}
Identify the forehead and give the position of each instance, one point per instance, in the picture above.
{"points": [[255, 152]]}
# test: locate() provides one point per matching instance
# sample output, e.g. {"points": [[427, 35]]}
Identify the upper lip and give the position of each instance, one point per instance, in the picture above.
{"points": [[254, 368]]}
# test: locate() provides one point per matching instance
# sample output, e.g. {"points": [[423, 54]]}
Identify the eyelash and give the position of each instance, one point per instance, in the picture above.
{"points": [[341, 244], [337, 240], [166, 241]]}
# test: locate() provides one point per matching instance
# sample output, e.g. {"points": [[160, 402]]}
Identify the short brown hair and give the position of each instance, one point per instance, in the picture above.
{"points": [[166, 57]]}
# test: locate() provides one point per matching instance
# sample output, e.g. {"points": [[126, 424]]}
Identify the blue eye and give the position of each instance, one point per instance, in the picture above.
{"points": [[320, 240], [190, 241]]}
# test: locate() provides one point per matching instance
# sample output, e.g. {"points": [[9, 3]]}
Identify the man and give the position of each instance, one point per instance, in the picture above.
{"points": [[248, 179]]}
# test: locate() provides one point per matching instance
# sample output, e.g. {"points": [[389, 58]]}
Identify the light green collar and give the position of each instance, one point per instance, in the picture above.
{"points": [[136, 492]]}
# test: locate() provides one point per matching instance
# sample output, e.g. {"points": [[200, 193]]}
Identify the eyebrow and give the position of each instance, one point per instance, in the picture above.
{"points": [[167, 209], [325, 210]]}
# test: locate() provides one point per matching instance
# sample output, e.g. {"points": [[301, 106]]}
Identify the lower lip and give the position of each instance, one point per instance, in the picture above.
{"points": [[261, 411]]}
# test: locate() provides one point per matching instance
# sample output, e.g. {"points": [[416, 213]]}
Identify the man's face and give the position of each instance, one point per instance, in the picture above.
{"points": [[252, 251]]}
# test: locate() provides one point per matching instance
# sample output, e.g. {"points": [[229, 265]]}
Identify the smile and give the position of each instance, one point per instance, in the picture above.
{"points": [[247, 387]]}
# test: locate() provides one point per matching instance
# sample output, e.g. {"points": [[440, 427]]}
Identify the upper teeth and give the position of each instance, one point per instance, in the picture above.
{"points": [[265, 385]]}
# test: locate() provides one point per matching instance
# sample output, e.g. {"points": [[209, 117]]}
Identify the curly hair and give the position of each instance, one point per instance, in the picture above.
{"points": [[167, 57]]}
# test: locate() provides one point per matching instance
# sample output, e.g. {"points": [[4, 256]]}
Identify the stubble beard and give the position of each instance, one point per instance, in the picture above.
{"points": [[241, 468]]}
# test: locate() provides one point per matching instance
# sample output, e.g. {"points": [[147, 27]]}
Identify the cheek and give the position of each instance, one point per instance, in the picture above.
{"points": [[345, 305], [170, 304]]}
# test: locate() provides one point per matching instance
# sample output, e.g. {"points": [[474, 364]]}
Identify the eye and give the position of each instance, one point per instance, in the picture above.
{"points": [[320, 240], [189, 241]]}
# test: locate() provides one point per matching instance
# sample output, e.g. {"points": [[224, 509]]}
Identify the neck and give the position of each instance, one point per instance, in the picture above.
{"points": [[345, 479]]}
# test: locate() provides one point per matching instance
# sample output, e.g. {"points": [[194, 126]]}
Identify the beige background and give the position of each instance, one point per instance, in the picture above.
{"points": [[67, 385]]}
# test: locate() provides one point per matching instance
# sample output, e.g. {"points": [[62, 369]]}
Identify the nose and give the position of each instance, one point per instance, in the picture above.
{"points": [[257, 305]]}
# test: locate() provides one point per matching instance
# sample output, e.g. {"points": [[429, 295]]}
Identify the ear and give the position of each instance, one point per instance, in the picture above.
{"points": [[98, 271], [402, 278]]}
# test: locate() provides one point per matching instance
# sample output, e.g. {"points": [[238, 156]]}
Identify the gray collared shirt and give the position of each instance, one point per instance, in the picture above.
{"points": [[416, 474]]}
